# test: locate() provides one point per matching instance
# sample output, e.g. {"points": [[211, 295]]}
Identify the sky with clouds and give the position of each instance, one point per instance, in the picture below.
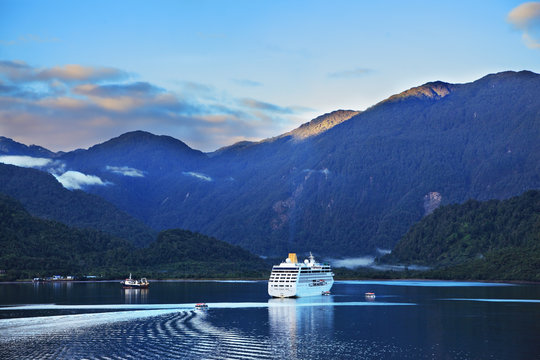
{"points": [[211, 73]]}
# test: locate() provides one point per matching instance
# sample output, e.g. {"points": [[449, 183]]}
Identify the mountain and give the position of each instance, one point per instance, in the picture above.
{"points": [[10, 147], [311, 128], [341, 187], [33, 246], [490, 240], [321, 124], [361, 184], [43, 196], [139, 149], [137, 166], [36, 247]]}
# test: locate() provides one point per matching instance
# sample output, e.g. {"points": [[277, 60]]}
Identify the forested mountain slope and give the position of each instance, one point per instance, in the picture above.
{"points": [[36, 247], [350, 183]]}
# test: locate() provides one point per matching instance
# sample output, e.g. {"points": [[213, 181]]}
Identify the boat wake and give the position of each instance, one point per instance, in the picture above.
{"points": [[144, 334], [145, 331]]}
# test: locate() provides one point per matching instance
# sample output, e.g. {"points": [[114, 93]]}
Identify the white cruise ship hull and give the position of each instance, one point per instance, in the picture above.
{"points": [[299, 290], [296, 279]]}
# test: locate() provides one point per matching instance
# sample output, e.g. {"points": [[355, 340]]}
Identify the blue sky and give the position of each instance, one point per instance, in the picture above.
{"points": [[211, 73]]}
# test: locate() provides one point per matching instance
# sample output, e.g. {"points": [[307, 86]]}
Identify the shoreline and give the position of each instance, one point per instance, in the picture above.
{"points": [[517, 282]]}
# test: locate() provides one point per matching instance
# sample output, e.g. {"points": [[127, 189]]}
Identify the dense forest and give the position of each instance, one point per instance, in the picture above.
{"points": [[33, 247], [492, 240], [477, 240], [44, 197]]}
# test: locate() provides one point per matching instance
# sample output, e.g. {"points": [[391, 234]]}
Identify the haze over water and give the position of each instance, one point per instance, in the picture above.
{"points": [[407, 320]]}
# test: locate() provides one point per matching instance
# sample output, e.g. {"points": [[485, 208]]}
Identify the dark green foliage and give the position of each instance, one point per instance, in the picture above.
{"points": [[38, 247], [477, 240], [44, 197], [34, 247], [512, 263]]}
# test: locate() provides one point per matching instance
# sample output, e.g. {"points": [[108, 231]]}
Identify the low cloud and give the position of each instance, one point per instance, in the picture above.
{"points": [[369, 262], [198, 175], [126, 171], [354, 73], [69, 179], [74, 180], [526, 17], [25, 161], [352, 263]]}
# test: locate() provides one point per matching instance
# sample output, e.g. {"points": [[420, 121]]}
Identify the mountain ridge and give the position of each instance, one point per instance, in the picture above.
{"points": [[354, 187], [10, 147], [43, 197], [34, 247]]}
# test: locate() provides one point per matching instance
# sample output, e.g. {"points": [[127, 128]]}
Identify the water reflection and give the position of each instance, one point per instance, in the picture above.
{"points": [[298, 322], [135, 296]]}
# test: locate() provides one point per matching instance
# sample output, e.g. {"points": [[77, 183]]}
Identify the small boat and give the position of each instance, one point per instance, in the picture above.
{"points": [[201, 306], [130, 283], [326, 293], [370, 296]]}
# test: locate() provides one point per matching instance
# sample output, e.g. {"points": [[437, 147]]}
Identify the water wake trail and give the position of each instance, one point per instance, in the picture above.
{"points": [[144, 334], [178, 307]]}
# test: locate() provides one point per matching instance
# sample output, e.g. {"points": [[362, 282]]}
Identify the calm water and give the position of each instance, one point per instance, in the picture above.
{"points": [[407, 320]]}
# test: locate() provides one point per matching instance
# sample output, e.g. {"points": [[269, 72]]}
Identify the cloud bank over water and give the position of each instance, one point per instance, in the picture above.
{"points": [[353, 263]]}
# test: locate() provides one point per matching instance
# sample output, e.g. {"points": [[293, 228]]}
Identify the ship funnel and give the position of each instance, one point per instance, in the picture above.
{"points": [[292, 257]]}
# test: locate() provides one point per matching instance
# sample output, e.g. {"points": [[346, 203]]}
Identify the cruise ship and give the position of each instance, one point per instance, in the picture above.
{"points": [[291, 278]]}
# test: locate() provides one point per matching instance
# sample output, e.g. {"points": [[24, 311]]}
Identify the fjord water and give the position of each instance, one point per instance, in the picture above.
{"points": [[407, 320]]}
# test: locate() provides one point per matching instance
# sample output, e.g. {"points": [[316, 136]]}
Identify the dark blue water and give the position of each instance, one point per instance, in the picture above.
{"points": [[407, 320]]}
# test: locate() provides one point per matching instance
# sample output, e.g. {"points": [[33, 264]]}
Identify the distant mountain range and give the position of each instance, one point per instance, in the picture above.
{"points": [[345, 184]]}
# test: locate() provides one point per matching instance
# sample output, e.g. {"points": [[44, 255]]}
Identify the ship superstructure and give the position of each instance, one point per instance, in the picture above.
{"points": [[291, 278]]}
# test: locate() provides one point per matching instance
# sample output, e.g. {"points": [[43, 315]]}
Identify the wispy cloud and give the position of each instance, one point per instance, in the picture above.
{"points": [[22, 72], [63, 107], [198, 175], [75, 180], [25, 161], [69, 179], [526, 17], [264, 106], [354, 73], [29, 38], [126, 171]]}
